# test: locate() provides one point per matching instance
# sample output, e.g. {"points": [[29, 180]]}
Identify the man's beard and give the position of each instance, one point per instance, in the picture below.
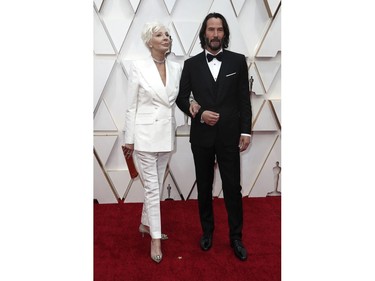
{"points": [[215, 47]]}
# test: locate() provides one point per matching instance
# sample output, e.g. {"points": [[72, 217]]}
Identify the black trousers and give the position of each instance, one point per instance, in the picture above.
{"points": [[228, 159]]}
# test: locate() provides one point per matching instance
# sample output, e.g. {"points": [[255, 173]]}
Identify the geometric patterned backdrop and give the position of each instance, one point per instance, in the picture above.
{"points": [[255, 27]]}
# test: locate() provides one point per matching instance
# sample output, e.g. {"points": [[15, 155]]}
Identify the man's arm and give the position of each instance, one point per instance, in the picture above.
{"points": [[245, 103], [183, 98]]}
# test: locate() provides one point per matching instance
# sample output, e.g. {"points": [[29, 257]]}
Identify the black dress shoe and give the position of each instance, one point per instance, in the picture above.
{"points": [[206, 242], [239, 249]]}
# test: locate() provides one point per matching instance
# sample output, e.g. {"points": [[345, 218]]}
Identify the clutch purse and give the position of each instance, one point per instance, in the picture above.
{"points": [[128, 155]]}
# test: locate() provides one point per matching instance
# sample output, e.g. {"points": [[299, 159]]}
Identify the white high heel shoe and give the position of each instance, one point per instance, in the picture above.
{"points": [[156, 257]]}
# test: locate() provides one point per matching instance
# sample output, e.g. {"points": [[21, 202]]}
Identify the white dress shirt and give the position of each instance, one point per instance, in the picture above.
{"points": [[214, 65]]}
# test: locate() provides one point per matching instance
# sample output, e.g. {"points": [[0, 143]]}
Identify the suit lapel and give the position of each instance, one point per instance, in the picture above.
{"points": [[152, 76], [205, 68], [206, 74], [224, 69], [171, 80], [224, 66]]}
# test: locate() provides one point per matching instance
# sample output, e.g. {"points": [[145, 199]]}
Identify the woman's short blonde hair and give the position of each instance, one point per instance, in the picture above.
{"points": [[149, 29]]}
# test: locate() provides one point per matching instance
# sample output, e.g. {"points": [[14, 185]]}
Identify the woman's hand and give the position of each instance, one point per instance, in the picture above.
{"points": [[194, 108], [128, 149]]}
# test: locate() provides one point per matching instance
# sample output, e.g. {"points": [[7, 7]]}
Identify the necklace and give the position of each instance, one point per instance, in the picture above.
{"points": [[158, 61]]}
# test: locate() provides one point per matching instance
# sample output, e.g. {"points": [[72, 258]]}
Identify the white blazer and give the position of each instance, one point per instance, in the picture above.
{"points": [[149, 122]]}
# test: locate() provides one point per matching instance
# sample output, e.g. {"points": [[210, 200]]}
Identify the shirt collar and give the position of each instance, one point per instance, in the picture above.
{"points": [[207, 52]]}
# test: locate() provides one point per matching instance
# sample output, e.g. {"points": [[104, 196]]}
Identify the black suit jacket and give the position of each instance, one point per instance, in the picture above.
{"points": [[229, 96]]}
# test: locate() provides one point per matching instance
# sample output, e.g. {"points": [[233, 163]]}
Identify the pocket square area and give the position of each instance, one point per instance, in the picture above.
{"points": [[231, 74]]}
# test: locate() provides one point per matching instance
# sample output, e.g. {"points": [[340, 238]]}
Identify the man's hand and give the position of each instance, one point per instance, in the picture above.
{"points": [[210, 117], [244, 142]]}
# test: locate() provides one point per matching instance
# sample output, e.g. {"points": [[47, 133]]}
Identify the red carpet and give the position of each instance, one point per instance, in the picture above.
{"points": [[120, 252]]}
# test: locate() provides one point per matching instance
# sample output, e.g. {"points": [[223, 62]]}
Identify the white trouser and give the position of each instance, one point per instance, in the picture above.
{"points": [[152, 166]]}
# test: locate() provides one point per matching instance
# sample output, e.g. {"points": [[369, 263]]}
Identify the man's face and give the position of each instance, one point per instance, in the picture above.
{"points": [[214, 35]]}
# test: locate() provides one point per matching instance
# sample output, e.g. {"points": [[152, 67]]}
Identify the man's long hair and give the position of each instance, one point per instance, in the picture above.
{"points": [[204, 26]]}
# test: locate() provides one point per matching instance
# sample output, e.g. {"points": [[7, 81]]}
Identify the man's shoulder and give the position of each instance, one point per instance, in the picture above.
{"points": [[194, 58], [234, 54]]}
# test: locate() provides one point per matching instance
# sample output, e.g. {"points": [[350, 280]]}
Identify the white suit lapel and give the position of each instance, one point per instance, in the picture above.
{"points": [[152, 76], [171, 82]]}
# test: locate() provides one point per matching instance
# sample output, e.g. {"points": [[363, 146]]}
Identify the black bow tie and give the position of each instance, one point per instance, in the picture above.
{"points": [[219, 56]]}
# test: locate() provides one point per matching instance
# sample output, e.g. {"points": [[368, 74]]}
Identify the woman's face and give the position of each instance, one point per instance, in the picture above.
{"points": [[160, 41]]}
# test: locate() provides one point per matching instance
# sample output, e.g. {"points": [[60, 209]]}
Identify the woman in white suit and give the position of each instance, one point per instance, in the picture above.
{"points": [[150, 124]]}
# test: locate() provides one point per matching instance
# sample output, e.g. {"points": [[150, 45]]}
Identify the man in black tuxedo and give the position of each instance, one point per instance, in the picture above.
{"points": [[221, 128]]}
